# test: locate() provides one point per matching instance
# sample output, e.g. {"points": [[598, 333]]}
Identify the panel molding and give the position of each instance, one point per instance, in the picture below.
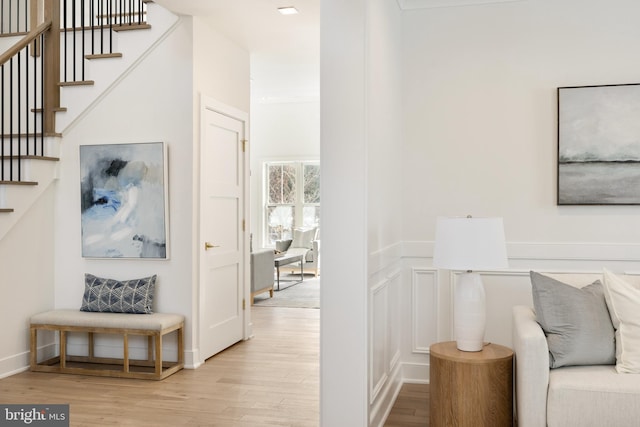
{"points": [[394, 281], [418, 278], [384, 258], [546, 251], [380, 290]]}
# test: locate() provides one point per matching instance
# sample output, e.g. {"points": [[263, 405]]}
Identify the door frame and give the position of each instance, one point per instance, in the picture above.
{"points": [[210, 104]]}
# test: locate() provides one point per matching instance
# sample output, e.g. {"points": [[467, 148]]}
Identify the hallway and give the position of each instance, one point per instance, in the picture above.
{"points": [[272, 379]]}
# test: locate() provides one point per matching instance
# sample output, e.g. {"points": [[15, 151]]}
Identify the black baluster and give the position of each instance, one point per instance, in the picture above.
{"points": [[64, 27], [73, 35], [42, 56], [101, 3], [35, 98], [11, 118], [110, 13], [26, 97], [2, 124], [19, 90], [82, 29]]}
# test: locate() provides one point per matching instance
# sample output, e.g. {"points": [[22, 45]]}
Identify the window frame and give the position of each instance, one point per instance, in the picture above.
{"points": [[298, 206]]}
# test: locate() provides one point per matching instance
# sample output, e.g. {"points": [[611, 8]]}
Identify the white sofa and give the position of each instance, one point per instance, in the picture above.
{"points": [[305, 242], [580, 396], [262, 265]]}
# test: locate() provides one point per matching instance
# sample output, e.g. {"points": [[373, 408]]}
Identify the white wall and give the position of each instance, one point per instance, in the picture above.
{"points": [[361, 131], [343, 292], [480, 107], [151, 103], [220, 68], [384, 134], [26, 284]]}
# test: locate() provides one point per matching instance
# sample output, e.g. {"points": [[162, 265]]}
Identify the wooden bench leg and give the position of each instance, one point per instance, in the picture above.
{"points": [[149, 348], [33, 356], [63, 349], [90, 344], [125, 361], [181, 346], [158, 354]]}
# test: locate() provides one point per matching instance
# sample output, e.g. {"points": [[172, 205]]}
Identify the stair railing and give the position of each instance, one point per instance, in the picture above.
{"points": [[87, 31], [25, 96], [14, 17], [50, 54]]}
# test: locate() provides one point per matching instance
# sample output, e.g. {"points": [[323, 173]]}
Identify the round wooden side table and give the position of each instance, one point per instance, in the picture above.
{"points": [[470, 389]]}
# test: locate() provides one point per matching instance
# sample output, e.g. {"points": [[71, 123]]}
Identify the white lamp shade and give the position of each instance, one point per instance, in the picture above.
{"points": [[470, 244]]}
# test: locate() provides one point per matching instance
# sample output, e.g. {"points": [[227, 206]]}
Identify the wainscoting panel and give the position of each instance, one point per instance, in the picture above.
{"points": [[394, 329], [385, 331], [379, 298], [429, 290], [425, 313]]}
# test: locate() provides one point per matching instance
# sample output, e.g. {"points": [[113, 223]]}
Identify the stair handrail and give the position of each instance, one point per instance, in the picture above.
{"points": [[24, 42], [50, 27]]}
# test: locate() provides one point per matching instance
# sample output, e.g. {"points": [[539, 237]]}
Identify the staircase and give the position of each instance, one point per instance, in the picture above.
{"points": [[61, 57]]}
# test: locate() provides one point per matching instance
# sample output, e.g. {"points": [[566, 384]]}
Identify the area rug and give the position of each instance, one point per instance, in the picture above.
{"points": [[301, 295]]}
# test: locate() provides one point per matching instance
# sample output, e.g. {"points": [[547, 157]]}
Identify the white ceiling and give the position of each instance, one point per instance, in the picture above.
{"points": [[285, 50]]}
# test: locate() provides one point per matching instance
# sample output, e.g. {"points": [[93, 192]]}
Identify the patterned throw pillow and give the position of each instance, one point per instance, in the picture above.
{"points": [[114, 296]]}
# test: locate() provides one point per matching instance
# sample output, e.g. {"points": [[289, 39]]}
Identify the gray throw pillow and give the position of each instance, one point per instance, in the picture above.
{"points": [[576, 322], [115, 296]]}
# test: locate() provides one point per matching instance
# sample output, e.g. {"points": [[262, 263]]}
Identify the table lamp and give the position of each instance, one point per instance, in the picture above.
{"points": [[469, 244]]}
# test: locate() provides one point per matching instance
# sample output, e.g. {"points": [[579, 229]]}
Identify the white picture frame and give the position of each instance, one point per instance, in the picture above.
{"points": [[124, 200]]}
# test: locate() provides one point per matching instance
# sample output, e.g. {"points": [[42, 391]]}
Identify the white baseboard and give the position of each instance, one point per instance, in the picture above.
{"points": [[380, 409], [192, 359], [407, 373], [14, 364], [17, 363], [415, 373]]}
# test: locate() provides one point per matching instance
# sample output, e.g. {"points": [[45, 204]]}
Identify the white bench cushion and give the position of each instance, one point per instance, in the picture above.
{"points": [[152, 322]]}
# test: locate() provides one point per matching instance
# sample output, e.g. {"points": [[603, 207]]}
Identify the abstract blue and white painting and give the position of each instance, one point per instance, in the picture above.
{"points": [[599, 145], [123, 200]]}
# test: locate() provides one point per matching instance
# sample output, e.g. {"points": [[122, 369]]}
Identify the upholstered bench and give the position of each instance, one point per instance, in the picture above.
{"points": [[154, 326]]}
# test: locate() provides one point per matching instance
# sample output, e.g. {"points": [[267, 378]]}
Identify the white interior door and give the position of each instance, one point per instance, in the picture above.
{"points": [[222, 240]]}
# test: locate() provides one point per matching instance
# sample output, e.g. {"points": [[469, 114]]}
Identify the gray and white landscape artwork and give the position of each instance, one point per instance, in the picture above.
{"points": [[599, 145], [123, 202]]}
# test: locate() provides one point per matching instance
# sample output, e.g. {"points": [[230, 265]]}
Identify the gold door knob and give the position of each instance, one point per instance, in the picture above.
{"points": [[208, 246]]}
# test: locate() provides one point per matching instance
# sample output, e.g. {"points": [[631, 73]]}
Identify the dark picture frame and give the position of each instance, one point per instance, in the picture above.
{"points": [[599, 145]]}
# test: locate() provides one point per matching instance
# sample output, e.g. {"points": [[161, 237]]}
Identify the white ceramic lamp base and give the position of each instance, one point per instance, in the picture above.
{"points": [[469, 316]]}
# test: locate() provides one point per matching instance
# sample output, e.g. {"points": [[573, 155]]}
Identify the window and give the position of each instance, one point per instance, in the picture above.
{"points": [[292, 192]]}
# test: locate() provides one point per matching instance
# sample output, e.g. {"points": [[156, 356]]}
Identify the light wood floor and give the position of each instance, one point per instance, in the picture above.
{"points": [[270, 380], [411, 408]]}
